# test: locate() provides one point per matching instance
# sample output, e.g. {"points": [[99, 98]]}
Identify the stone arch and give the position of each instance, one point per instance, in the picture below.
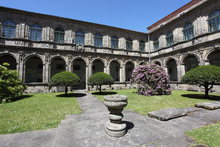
{"points": [[97, 66], [171, 65], [34, 55], [115, 70], [157, 62], [214, 57], [79, 68], [129, 67], [9, 58], [57, 64], [190, 61], [143, 63], [33, 69]]}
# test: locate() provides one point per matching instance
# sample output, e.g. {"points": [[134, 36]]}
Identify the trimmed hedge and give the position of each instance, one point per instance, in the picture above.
{"points": [[206, 76], [100, 78], [66, 79]]}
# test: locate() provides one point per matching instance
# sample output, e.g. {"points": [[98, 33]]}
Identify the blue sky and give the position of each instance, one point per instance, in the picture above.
{"points": [[129, 14]]}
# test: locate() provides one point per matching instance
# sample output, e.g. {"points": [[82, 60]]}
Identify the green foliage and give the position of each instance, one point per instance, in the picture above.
{"points": [[100, 78], [66, 79], [205, 76], [10, 85]]}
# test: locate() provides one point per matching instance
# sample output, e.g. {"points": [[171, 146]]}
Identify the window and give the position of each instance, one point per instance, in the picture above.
{"points": [[156, 44], [214, 21], [59, 35], [142, 46], [8, 29], [80, 38], [98, 40], [114, 42], [188, 32], [129, 44], [169, 38], [35, 32]]}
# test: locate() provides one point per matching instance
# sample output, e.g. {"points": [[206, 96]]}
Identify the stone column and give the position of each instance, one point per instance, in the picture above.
{"points": [[182, 71], [20, 66], [69, 64], [46, 69], [179, 72], [122, 73], [87, 76]]}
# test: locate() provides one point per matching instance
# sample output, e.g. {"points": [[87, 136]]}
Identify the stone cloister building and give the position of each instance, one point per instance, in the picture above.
{"points": [[39, 45]]}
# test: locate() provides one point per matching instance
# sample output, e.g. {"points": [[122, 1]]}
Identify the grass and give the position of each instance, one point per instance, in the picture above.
{"points": [[35, 112], [208, 135], [144, 104]]}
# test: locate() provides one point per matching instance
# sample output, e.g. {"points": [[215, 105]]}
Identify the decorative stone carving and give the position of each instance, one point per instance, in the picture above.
{"points": [[115, 104]]}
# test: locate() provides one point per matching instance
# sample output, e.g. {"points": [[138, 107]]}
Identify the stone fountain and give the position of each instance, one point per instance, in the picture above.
{"points": [[115, 104]]}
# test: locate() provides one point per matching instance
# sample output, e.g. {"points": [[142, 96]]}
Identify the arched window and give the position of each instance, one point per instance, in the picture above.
{"points": [[114, 42], [59, 35], [129, 44], [98, 40], [8, 29], [214, 21], [188, 31], [169, 38], [35, 32], [156, 44], [80, 36], [142, 46]]}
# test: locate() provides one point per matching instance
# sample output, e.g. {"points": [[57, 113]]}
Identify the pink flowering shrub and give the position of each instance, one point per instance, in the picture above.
{"points": [[151, 80]]}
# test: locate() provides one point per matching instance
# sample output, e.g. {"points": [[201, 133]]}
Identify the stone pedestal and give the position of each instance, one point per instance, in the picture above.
{"points": [[115, 104]]}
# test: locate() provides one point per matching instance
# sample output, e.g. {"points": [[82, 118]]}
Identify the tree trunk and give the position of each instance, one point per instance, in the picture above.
{"points": [[206, 91], [66, 90], [100, 88]]}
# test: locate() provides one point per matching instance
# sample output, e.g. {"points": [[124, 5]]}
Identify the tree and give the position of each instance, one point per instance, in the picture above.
{"points": [[10, 85], [151, 80], [66, 79], [100, 78], [206, 76]]}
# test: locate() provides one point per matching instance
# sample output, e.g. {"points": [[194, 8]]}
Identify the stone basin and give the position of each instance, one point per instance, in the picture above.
{"points": [[115, 104]]}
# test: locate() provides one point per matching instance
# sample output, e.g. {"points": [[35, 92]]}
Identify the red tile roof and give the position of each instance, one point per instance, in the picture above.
{"points": [[178, 11]]}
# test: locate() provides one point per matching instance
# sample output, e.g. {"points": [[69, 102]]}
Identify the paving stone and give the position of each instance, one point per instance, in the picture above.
{"points": [[167, 114], [209, 105]]}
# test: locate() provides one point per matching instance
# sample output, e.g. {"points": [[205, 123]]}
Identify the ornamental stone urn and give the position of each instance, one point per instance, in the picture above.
{"points": [[115, 104]]}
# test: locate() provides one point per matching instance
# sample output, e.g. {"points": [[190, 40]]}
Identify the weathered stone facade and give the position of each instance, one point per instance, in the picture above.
{"points": [[202, 49], [38, 59]]}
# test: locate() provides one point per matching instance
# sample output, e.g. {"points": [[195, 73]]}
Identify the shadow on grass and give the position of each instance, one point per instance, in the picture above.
{"points": [[21, 97], [201, 96], [104, 93], [71, 95], [129, 124]]}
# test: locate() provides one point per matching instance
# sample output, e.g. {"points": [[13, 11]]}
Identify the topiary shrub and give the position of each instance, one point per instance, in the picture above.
{"points": [[151, 80], [99, 79], [66, 79], [206, 76], [10, 85]]}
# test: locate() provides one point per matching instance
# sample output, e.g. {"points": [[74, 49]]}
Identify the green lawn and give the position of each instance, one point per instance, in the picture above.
{"points": [[36, 111], [208, 135], [145, 104]]}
